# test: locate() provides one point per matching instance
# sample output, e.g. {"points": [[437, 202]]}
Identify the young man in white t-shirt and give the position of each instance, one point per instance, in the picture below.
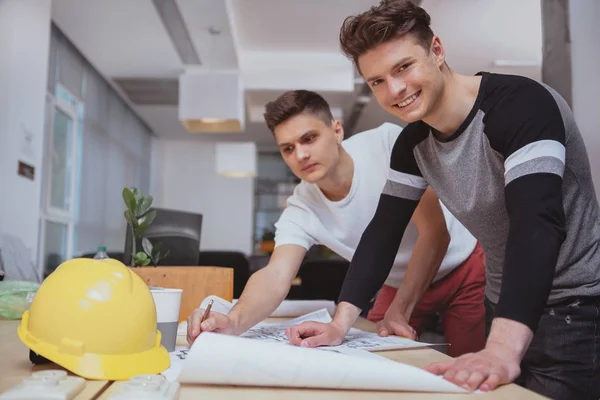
{"points": [[439, 266]]}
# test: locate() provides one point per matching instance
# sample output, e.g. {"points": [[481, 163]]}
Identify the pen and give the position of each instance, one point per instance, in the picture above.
{"points": [[210, 303]]}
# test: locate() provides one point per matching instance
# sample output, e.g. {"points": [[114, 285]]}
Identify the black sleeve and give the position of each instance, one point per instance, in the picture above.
{"points": [[532, 141], [378, 246], [536, 233], [377, 250]]}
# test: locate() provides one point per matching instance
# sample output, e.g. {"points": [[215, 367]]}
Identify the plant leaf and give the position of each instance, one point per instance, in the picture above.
{"points": [[138, 258], [144, 222], [146, 262], [136, 194], [145, 205], [130, 218], [140, 229], [147, 246], [154, 259], [129, 199], [149, 218]]}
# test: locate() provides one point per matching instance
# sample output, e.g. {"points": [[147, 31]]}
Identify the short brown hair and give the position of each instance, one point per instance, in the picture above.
{"points": [[296, 102], [390, 19]]}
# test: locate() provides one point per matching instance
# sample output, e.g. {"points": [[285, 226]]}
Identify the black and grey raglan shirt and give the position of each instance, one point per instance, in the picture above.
{"points": [[516, 174]]}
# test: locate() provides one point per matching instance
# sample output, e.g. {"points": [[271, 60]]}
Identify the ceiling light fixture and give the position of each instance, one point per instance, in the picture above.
{"points": [[211, 101], [236, 159]]}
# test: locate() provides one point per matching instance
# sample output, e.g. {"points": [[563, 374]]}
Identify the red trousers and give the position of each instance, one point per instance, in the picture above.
{"points": [[458, 297]]}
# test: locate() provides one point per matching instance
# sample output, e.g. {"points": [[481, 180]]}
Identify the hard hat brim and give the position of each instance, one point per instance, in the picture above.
{"points": [[112, 367]]}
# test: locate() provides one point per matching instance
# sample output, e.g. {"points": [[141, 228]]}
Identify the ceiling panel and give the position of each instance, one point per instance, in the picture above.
{"points": [[120, 38], [474, 33], [208, 25], [292, 25]]}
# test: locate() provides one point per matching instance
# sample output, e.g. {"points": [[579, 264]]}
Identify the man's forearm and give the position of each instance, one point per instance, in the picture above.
{"points": [[509, 338], [376, 251], [261, 296], [345, 316], [424, 264]]}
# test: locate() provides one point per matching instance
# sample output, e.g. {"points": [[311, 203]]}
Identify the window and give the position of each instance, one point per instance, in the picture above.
{"points": [[59, 196], [94, 146], [274, 184]]}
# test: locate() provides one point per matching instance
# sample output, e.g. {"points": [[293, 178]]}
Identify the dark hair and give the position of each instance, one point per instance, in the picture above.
{"points": [[296, 102], [390, 19]]}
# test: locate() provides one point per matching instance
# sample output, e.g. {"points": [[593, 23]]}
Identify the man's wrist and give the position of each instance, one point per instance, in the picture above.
{"points": [[345, 316], [509, 338], [402, 306], [234, 322]]}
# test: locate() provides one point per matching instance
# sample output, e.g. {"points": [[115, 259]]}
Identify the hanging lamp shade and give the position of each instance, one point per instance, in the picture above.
{"points": [[236, 159], [211, 101]]}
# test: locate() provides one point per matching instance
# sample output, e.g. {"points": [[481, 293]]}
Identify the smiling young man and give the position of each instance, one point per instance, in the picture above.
{"points": [[504, 154], [333, 204]]}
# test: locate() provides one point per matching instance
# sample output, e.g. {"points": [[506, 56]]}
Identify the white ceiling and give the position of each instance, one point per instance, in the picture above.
{"points": [[120, 38], [199, 16], [292, 43], [291, 25]]}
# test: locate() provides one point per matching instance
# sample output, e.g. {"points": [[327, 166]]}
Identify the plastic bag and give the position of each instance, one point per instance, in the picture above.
{"points": [[16, 297]]}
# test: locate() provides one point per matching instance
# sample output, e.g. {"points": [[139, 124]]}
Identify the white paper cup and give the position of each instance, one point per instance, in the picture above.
{"points": [[167, 302]]}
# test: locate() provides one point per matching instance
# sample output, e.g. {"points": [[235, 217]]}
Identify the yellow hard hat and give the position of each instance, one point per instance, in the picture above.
{"points": [[97, 319]]}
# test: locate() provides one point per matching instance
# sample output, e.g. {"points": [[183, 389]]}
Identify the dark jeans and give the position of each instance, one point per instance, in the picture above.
{"points": [[563, 359]]}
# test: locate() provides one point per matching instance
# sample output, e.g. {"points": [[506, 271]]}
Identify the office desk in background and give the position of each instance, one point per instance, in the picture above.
{"points": [[14, 365]]}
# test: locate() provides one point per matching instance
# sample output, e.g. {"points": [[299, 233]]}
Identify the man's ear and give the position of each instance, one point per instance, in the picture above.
{"points": [[438, 52], [339, 131]]}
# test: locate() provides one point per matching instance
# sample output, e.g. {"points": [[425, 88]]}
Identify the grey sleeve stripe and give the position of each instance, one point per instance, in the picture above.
{"points": [[401, 190], [407, 179], [537, 149], [549, 164]]}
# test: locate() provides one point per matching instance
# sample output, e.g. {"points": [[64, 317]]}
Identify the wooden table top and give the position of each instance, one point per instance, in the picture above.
{"points": [[15, 364], [416, 357]]}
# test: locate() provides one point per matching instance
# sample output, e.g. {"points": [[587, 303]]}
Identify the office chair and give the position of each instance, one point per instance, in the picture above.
{"points": [[179, 233]]}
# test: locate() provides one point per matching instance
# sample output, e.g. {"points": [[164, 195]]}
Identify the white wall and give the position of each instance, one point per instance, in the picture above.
{"points": [[24, 47], [585, 57], [184, 178]]}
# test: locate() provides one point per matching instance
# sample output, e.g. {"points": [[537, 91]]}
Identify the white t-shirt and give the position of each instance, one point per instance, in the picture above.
{"points": [[310, 218]]}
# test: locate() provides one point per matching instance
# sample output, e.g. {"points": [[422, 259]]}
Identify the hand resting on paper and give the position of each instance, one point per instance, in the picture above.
{"points": [[216, 322], [497, 364], [395, 323], [486, 369], [314, 334]]}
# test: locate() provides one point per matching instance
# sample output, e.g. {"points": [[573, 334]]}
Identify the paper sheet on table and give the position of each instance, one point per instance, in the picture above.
{"points": [[177, 359], [275, 332], [296, 308], [355, 338], [243, 361], [180, 354], [287, 308]]}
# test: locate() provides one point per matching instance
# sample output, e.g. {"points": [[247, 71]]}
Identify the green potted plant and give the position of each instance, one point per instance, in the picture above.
{"points": [[196, 282], [139, 216]]}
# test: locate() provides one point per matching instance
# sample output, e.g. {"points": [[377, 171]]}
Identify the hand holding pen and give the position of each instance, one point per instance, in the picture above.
{"points": [[207, 321]]}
